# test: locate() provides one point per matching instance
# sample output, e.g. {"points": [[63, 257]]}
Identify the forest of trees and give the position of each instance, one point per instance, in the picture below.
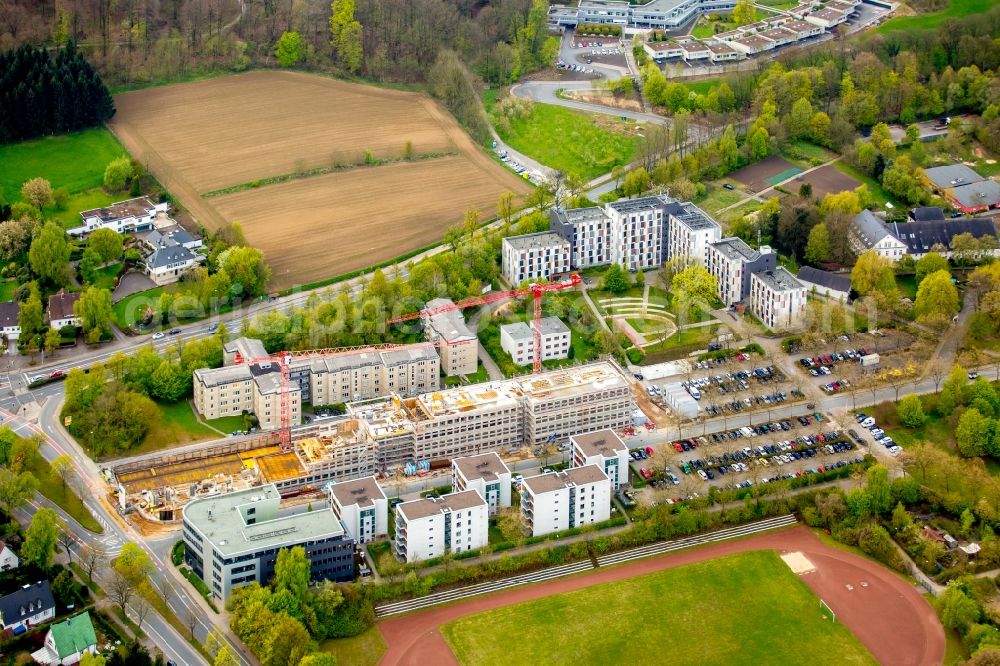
{"points": [[63, 93]]}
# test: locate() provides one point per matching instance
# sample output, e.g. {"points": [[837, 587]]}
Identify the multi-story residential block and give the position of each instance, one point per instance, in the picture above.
{"points": [[453, 523], [61, 311], [457, 345], [10, 322], [241, 386], [562, 500], [690, 231], [636, 233], [870, 233], [605, 449], [234, 539], [534, 257], [362, 508], [27, 607], [487, 475], [588, 232], [125, 217], [732, 262], [518, 340], [777, 299]]}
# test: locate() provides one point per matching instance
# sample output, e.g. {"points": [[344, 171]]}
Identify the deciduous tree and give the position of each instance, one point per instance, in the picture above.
{"points": [[40, 539], [117, 174], [49, 254], [289, 50], [107, 243], [94, 310], [818, 246], [37, 192], [936, 296]]}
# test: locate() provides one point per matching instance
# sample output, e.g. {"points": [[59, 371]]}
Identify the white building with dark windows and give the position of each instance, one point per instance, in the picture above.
{"points": [[430, 527], [868, 232], [27, 607], [362, 508], [487, 475], [669, 14], [518, 340], [534, 257], [10, 322], [588, 232], [233, 539], [731, 261], [124, 217], [636, 232], [457, 345], [778, 299], [559, 501], [690, 232], [605, 449]]}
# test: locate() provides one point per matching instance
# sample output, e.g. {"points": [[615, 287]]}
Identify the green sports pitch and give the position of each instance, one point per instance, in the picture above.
{"points": [[747, 608]]}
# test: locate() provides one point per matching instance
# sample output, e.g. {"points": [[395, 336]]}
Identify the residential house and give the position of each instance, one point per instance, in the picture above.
{"points": [[169, 253], [660, 51], [922, 237], [124, 217], [68, 641], [560, 501], [362, 508], [518, 340], [752, 44], [694, 51], [457, 345], [10, 322], [722, 52], [8, 558], [824, 283], [27, 607], [430, 527], [605, 449], [870, 233], [61, 312], [487, 475], [777, 299]]}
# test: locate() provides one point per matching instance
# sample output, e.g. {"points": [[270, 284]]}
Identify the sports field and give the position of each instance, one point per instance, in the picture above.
{"points": [[237, 134], [746, 608]]}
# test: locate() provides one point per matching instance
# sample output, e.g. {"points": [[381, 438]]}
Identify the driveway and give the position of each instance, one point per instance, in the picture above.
{"points": [[131, 283]]}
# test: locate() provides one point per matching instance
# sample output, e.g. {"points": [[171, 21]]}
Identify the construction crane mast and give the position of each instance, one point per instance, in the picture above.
{"points": [[535, 289]]}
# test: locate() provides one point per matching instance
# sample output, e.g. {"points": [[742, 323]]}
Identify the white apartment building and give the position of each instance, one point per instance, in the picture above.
{"points": [[870, 233], [562, 500], [534, 257], [430, 527], [457, 345], [588, 231], [606, 450], [777, 299], [361, 507], [233, 539], [731, 261], [636, 232], [241, 386], [654, 14], [125, 217], [690, 231], [518, 340], [487, 475]]}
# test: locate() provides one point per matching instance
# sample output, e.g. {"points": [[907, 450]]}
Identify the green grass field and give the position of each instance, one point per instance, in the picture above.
{"points": [[747, 608], [177, 425], [907, 285], [104, 278], [74, 161], [587, 145], [7, 289], [52, 487], [126, 311], [956, 9], [81, 201], [717, 198], [365, 649]]}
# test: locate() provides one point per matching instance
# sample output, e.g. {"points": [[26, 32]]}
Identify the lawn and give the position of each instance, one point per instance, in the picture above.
{"points": [[907, 285], [131, 308], [228, 424], [53, 488], [680, 345], [956, 9], [808, 154], [697, 614], [177, 425], [717, 198], [104, 278], [7, 289], [75, 161], [701, 87], [586, 145], [365, 649], [81, 201]]}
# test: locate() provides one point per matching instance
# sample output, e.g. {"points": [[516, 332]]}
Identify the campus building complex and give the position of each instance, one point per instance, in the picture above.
{"points": [[233, 539], [656, 14], [690, 233], [431, 527], [534, 257], [487, 475], [518, 340], [732, 262], [562, 500], [777, 299], [361, 507]]}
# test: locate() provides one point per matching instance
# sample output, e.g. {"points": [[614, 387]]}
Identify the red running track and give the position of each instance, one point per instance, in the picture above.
{"points": [[885, 612]]}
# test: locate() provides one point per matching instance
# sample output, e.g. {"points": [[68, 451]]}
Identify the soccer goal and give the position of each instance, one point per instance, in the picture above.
{"points": [[824, 605]]}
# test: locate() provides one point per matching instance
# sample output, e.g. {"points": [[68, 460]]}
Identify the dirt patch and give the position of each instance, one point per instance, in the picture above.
{"points": [[210, 135], [755, 176], [825, 180], [605, 98], [885, 612]]}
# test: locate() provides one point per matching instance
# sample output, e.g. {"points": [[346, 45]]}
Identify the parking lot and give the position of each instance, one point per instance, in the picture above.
{"points": [[744, 457], [736, 391]]}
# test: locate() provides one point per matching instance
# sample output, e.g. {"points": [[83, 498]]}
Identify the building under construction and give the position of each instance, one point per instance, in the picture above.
{"points": [[380, 436]]}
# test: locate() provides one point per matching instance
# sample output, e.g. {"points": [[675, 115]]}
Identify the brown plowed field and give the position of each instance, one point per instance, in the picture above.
{"points": [[209, 135], [357, 218], [826, 180], [885, 612]]}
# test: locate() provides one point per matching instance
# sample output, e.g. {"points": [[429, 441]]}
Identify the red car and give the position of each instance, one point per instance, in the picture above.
{"points": [[645, 473], [629, 431], [57, 374], [649, 450], [678, 447]]}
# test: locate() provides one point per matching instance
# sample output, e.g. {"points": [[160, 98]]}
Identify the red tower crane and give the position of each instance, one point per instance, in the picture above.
{"points": [[535, 289]]}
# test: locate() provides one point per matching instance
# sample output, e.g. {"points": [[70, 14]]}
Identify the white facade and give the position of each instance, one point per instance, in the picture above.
{"points": [[534, 257], [453, 523], [67, 642], [487, 475], [124, 217], [605, 449], [636, 232], [869, 233], [777, 299], [518, 340], [61, 311], [663, 50], [10, 320], [8, 558], [362, 508], [562, 500], [690, 232], [457, 345]]}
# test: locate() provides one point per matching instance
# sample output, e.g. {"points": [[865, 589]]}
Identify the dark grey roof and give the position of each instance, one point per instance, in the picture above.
{"points": [[869, 229], [835, 281], [920, 237], [927, 214], [977, 195], [951, 175], [9, 312], [29, 600], [694, 218], [61, 305], [736, 248], [642, 203]]}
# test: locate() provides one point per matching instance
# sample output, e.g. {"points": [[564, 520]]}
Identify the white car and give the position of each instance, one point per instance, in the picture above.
{"points": [[701, 473], [158, 335]]}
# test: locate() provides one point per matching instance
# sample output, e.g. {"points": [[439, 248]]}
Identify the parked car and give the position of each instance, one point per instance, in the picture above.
{"points": [[158, 335]]}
